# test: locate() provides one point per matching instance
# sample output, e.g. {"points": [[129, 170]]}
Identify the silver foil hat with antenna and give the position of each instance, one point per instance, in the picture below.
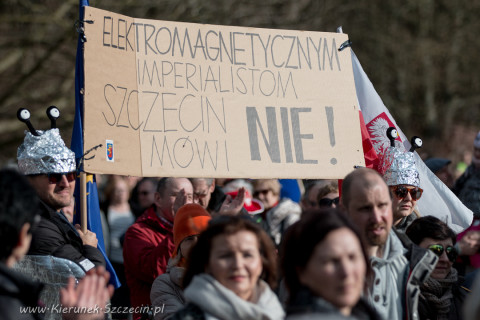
{"points": [[398, 166], [44, 152]]}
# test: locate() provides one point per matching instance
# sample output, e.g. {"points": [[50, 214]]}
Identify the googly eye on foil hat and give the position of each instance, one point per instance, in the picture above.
{"points": [[44, 151], [398, 166]]}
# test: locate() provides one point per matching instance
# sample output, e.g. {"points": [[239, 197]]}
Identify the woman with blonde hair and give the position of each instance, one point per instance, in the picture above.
{"points": [[280, 213]]}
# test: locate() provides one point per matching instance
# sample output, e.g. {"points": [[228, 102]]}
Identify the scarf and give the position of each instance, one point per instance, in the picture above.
{"points": [[218, 302], [476, 161], [438, 293]]}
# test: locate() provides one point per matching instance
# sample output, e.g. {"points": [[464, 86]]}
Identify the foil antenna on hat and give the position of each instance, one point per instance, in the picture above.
{"points": [[23, 115], [392, 134], [53, 114], [416, 143]]}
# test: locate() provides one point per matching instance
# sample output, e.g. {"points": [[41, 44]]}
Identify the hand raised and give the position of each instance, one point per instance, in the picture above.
{"points": [[231, 206]]}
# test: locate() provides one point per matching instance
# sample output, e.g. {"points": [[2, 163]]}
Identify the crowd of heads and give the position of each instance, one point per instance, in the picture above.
{"points": [[235, 231]]}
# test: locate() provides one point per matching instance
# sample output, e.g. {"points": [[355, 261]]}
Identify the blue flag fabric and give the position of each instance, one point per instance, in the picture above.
{"points": [[94, 222], [290, 189]]}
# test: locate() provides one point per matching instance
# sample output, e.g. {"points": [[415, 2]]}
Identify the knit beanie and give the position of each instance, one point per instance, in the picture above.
{"points": [[191, 219]]}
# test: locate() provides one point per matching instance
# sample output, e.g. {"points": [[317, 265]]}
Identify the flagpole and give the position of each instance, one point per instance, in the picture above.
{"points": [[83, 201], [88, 209]]}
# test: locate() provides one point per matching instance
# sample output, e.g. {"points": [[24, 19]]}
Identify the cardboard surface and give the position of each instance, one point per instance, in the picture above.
{"points": [[191, 100]]}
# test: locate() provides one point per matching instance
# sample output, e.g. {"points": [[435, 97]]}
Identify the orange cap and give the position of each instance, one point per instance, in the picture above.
{"points": [[191, 219]]}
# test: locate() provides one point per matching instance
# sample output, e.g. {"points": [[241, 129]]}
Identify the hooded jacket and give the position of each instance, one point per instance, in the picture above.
{"points": [[398, 276]]}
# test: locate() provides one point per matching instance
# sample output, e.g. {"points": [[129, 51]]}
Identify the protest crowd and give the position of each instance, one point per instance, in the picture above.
{"points": [[394, 238], [206, 248]]}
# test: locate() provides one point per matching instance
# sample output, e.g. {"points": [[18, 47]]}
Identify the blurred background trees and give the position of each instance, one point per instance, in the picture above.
{"points": [[421, 55]]}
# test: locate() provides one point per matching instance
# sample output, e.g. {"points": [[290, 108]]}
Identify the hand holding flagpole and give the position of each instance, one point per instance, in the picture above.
{"points": [[83, 201]]}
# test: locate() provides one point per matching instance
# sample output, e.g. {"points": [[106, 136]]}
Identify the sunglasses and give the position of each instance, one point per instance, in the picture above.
{"points": [[327, 202], [401, 192], [438, 250], [263, 192], [54, 178]]}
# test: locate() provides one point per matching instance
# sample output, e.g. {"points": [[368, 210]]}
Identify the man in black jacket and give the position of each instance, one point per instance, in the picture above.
{"points": [[19, 294], [50, 167]]}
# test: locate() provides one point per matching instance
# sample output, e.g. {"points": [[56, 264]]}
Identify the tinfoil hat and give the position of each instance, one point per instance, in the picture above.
{"points": [[398, 166], [44, 151]]}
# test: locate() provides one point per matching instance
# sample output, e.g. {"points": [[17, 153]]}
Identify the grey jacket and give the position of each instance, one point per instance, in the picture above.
{"points": [[403, 225], [398, 275], [166, 294]]}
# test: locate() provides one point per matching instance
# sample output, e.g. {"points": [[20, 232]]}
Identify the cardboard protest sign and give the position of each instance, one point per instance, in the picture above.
{"points": [[189, 100]]}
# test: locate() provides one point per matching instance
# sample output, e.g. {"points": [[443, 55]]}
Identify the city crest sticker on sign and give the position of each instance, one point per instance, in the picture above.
{"points": [[109, 144]]}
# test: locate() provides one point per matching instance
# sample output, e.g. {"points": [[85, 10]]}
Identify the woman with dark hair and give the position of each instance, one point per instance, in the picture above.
{"points": [[326, 268], [441, 296], [229, 273]]}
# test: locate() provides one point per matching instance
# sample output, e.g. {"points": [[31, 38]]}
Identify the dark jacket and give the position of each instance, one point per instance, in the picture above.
{"points": [[306, 306], [18, 292], [55, 236], [189, 312], [467, 189]]}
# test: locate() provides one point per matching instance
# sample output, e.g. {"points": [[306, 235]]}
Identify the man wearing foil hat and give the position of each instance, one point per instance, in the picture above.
{"points": [[398, 270], [51, 170]]}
